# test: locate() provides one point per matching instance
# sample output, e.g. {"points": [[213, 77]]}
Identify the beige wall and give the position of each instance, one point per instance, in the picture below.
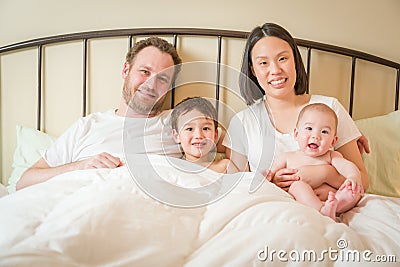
{"points": [[366, 25]]}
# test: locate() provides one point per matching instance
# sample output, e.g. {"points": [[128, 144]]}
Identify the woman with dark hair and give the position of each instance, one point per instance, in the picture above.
{"points": [[274, 84], [250, 88]]}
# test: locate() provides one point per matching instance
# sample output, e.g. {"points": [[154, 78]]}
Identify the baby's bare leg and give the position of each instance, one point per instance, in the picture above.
{"points": [[304, 194], [329, 208], [323, 190]]}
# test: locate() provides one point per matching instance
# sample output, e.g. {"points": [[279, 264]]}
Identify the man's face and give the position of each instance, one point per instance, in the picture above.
{"points": [[147, 80]]}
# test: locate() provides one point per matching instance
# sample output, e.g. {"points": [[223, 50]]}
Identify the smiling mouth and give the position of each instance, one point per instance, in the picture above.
{"points": [[313, 146], [146, 93], [198, 144], [278, 82]]}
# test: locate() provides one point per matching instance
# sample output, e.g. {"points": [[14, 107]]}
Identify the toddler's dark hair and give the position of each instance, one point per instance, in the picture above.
{"points": [[194, 103]]}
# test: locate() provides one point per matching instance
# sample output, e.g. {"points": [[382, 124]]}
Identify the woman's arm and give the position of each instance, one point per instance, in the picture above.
{"points": [[350, 152], [221, 135]]}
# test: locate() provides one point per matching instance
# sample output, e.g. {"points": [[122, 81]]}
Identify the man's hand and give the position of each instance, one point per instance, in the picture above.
{"points": [[103, 160]]}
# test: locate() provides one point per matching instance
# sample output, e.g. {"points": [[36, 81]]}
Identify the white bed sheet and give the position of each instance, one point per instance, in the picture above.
{"points": [[102, 218]]}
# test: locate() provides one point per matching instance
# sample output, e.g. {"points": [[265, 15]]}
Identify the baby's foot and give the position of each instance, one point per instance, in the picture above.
{"points": [[346, 199], [330, 205]]}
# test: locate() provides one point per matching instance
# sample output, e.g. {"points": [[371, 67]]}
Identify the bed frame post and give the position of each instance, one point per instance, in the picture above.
{"points": [[353, 73], [39, 89], [218, 79], [308, 68], [175, 42], [396, 99], [84, 85]]}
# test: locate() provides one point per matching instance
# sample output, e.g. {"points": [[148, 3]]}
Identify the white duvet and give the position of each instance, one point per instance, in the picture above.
{"points": [[103, 218]]}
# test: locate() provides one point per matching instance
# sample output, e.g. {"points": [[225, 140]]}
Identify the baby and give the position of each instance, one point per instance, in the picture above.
{"points": [[195, 128], [316, 134]]}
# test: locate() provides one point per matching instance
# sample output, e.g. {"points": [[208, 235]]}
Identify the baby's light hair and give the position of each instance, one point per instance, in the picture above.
{"points": [[318, 107]]}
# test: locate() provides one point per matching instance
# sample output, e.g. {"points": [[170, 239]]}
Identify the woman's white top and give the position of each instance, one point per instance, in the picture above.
{"points": [[252, 134]]}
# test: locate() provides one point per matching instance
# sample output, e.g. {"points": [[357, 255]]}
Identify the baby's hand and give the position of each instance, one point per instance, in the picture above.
{"points": [[354, 184]]}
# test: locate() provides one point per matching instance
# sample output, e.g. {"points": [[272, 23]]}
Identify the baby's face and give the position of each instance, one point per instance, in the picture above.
{"points": [[316, 133], [196, 134]]}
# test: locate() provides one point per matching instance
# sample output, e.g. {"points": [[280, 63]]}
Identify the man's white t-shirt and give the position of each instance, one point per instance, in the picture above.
{"points": [[252, 134], [107, 132]]}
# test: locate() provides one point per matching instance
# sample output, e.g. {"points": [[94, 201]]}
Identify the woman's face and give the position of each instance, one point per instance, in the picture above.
{"points": [[274, 66]]}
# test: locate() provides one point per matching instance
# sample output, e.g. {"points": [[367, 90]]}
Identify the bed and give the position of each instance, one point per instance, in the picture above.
{"points": [[109, 217]]}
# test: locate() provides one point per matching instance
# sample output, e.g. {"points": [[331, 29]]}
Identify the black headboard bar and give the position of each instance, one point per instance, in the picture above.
{"points": [[39, 88], [218, 78], [172, 103], [84, 78], [175, 32], [190, 31], [122, 32], [347, 52], [308, 66], [352, 79], [396, 104], [130, 41]]}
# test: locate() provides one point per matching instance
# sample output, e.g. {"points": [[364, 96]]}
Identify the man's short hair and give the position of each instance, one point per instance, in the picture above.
{"points": [[163, 45]]}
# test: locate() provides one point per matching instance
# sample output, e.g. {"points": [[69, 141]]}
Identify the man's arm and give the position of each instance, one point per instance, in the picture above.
{"points": [[41, 171]]}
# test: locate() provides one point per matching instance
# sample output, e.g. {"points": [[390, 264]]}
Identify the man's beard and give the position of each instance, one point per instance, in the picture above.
{"points": [[139, 106]]}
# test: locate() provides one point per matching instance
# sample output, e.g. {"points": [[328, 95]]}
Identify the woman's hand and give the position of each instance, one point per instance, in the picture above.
{"points": [[284, 178], [363, 144]]}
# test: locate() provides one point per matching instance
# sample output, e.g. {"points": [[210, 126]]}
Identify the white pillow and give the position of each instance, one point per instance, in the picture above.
{"points": [[31, 144], [3, 191], [383, 163]]}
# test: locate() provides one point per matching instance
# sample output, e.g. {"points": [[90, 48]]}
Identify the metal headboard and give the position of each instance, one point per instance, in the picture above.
{"points": [[175, 33]]}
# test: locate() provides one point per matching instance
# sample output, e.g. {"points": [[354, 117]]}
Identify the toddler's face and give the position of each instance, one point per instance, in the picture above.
{"points": [[196, 134]]}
